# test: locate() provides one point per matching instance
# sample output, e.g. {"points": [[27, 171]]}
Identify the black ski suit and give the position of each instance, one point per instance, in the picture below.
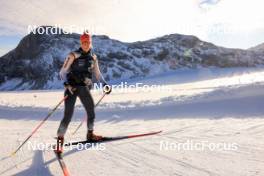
{"points": [[79, 77]]}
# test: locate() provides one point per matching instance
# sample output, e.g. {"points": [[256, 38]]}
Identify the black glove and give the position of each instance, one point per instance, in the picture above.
{"points": [[66, 84], [69, 87], [107, 88]]}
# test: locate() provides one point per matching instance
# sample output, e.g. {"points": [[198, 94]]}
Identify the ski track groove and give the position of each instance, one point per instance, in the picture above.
{"points": [[222, 123], [134, 157], [170, 159]]}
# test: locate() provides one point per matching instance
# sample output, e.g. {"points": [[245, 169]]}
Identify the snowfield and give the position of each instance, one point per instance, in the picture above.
{"points": [[212, 123]]}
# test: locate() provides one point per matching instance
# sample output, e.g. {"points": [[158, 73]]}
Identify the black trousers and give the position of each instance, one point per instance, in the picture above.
{"points": [[87, 100]]}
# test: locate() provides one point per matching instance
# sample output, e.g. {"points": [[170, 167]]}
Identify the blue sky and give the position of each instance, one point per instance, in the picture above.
{"points": [[229, 23]]}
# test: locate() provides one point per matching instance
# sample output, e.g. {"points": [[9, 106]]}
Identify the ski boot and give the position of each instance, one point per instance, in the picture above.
{"points": [[92, 137]]}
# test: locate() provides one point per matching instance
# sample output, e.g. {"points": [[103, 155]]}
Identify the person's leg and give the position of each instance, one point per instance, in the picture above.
{"points": [[68, 112], [88, 103]]}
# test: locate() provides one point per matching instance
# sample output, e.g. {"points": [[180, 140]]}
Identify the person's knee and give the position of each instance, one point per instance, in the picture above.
{"points": [[65, 122], [68, 112], [91, 114]]}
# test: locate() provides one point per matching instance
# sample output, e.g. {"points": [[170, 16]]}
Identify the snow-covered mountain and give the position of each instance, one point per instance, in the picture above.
{"points": [[35, 62], [259, 48]]}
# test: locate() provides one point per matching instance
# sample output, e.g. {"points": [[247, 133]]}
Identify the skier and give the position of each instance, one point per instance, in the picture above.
{"points": [[77, 72]]}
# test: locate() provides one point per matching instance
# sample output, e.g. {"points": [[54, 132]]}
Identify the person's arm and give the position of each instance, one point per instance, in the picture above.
{"points": [[66, 66], [106, 88], [97, 71], [65, 69]]}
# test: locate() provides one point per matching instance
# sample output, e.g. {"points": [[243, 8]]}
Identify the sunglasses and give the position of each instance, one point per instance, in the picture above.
{"points": [[84, 42]]}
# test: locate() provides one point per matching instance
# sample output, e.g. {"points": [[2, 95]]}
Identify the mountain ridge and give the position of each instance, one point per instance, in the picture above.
{"points": [[35, 62]]}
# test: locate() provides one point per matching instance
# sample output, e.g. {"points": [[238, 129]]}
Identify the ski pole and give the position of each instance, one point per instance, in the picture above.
{"points": [[42, 122], [83, 120]]}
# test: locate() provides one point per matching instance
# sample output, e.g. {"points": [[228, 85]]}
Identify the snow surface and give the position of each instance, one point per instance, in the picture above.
{"points": [[212, 105]]}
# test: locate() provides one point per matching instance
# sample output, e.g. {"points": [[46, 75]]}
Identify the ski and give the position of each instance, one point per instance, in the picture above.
{"points": [[61, 162], [107, 139]]}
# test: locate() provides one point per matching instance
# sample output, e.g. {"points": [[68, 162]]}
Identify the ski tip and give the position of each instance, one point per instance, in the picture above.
{"points": [[12, 154], [157, 132]]}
